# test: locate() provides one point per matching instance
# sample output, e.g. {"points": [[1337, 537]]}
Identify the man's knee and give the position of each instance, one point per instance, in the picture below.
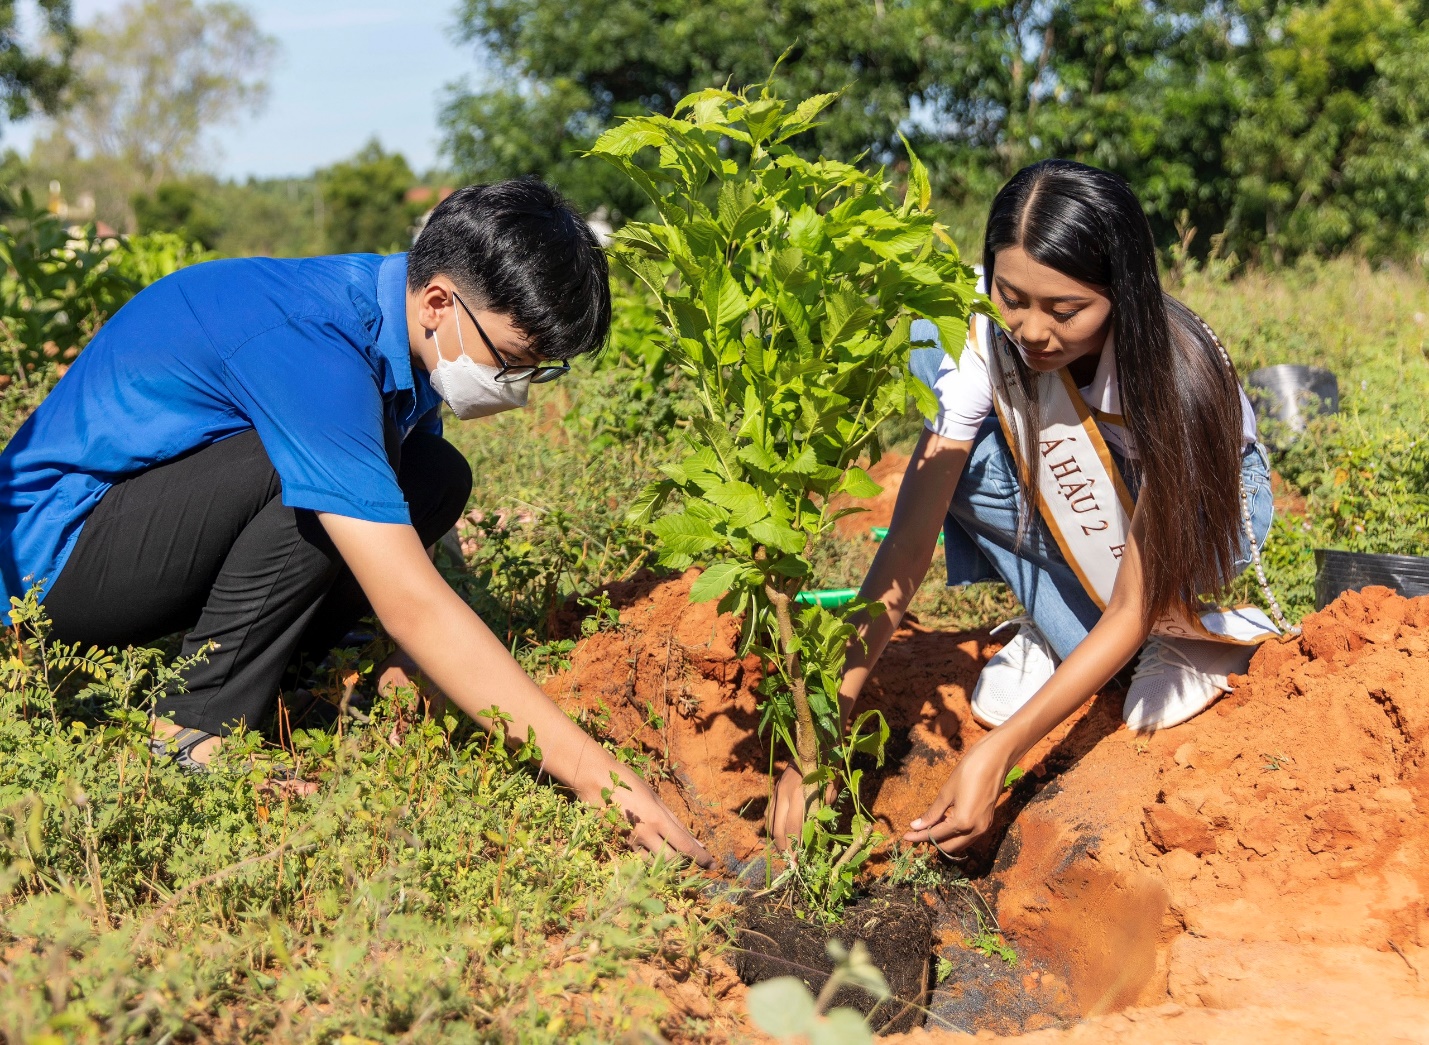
{"points": [[436, 480]]}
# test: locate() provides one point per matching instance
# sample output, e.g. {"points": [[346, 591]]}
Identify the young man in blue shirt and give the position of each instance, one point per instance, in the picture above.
{"points": [[250, 452]]}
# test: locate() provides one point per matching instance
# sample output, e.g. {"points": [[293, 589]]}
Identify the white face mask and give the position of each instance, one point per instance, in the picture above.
{"points": [[470, 389]]}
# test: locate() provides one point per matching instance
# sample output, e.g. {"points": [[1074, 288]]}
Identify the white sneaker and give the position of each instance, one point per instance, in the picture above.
{"points": [[1014, 675], [1177, 679]]}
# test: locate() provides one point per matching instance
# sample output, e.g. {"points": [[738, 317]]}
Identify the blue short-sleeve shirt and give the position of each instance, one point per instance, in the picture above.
{"points": [[312, 354]]}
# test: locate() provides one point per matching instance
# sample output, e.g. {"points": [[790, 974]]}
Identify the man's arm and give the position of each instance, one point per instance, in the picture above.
{"points": [[470, 665]]}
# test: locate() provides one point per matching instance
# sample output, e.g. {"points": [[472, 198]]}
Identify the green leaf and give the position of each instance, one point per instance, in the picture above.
{"points": [[745, 503], [782, 1007], [778, 535], [720, 444], [724, 301], [920, 190], [758, 458], [628, 138], [858, 484], [841, 1027], [873, 741], [644, 507], [683, 534], [715, 581]]}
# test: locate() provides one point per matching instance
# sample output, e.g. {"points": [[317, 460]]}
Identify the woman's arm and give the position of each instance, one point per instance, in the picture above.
{"points": [[470, 665], [904, 556], [897, 571], [964, 807]]}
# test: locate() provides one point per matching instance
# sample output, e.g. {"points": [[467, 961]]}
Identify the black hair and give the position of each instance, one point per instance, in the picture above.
{"points": [[518, 248], [1179, 394]]}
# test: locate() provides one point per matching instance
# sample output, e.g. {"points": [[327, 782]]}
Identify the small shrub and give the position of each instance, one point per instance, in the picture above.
{"points": [[786, 289]]}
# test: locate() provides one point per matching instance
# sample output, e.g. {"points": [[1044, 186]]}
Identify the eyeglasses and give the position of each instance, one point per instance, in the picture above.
{"points": [[508, 372]]}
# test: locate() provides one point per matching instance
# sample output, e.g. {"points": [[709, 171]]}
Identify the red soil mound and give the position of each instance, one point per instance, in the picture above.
{"points": [[1258, 871], [668, 684]]}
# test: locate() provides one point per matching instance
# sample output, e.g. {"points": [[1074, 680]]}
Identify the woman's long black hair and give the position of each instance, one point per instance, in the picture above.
{"points": [[1180, 398]]}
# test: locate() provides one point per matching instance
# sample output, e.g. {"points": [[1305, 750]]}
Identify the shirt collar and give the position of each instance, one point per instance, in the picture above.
{"points": [[1103, 394], [392, 337]]}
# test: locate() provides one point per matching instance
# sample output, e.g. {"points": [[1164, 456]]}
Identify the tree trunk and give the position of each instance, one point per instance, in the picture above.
{"points": [[806, 739]]}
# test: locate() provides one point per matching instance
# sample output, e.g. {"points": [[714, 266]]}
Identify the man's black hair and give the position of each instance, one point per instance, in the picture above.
{"points": [[518, 248]]}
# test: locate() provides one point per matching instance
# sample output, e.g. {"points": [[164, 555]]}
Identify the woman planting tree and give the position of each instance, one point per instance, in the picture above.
{"points": [[1096, 453]]}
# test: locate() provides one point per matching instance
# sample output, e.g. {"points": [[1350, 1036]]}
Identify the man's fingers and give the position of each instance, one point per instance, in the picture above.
{"points": [[788, 819], [671, 836]]}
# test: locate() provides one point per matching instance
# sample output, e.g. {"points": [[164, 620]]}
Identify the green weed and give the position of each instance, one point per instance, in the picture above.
{"points": [[430, 887]]}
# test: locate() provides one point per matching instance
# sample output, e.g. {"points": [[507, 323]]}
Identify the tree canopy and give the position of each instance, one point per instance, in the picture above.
{"points": [[157, 74], [32, 78], [365, 206], [1280, 127]]}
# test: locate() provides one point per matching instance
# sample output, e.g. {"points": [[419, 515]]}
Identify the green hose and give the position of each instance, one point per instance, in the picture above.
{"points": [[829, 600], [880, 532]]}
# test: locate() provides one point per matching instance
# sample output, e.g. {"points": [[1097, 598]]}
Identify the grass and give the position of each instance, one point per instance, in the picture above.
{"points": [[431, 888], [434, 887]]}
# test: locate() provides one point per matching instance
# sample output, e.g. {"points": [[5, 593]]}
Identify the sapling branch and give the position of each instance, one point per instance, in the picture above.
{"points": [[855, 847]]}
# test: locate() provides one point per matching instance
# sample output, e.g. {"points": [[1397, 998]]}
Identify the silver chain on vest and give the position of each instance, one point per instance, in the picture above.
{"points": [[1275, 610]]}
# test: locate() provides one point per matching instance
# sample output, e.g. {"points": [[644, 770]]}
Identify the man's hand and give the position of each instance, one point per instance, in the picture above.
{"points": [[785, 821], [462, 658], [652, 826], [962, 812]]}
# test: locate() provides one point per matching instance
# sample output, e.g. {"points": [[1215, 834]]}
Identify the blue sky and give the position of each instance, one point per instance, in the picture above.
{"points": [[346, 71]]}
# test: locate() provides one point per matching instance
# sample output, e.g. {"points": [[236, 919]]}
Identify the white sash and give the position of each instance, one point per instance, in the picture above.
{"points": [[1086, 506]]}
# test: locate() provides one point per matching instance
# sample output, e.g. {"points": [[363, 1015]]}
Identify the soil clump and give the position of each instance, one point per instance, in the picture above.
{"points": [[1257, 871], [669, 686]]}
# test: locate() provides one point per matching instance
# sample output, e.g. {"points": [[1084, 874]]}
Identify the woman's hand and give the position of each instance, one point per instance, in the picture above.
{"points": [[785, 822], [962, 812]]}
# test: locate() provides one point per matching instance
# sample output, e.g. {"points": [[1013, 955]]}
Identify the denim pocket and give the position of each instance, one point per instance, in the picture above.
{"points": [[1255, 481], [991, 470]]}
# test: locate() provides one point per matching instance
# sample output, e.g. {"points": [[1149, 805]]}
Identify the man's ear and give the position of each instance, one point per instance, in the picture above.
{"points": [[433, 300]]}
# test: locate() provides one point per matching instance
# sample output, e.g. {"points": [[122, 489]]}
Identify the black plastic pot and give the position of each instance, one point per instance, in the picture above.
{"points": [[1338, 572], [1292, 394]]}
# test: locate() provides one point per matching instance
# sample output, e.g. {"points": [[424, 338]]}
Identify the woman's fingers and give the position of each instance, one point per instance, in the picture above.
{"points": [[935, 811], [786, 819], [950, 834]]}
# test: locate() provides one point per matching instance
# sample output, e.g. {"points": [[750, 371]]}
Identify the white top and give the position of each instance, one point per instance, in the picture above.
{"points": [[964, 389]]}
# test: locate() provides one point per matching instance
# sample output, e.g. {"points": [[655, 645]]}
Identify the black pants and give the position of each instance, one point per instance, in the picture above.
{"points": [[203, 544]]}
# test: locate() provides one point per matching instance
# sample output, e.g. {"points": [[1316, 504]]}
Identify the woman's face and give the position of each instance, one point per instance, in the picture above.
{"points": [[1054, 319]]}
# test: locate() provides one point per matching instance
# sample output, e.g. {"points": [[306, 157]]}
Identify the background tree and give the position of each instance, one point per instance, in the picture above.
{"points": [[150, 81], [569, 70], [33, 79], [1280, 127], [364, 202], [1331, 148], [180, 207]]}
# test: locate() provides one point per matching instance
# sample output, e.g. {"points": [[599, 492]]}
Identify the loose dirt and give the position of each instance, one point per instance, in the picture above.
{"points": [[1258, 871], [668, 684]]}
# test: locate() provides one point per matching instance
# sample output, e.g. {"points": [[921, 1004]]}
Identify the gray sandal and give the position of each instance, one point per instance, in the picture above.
{"points": [[186, 740]]}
